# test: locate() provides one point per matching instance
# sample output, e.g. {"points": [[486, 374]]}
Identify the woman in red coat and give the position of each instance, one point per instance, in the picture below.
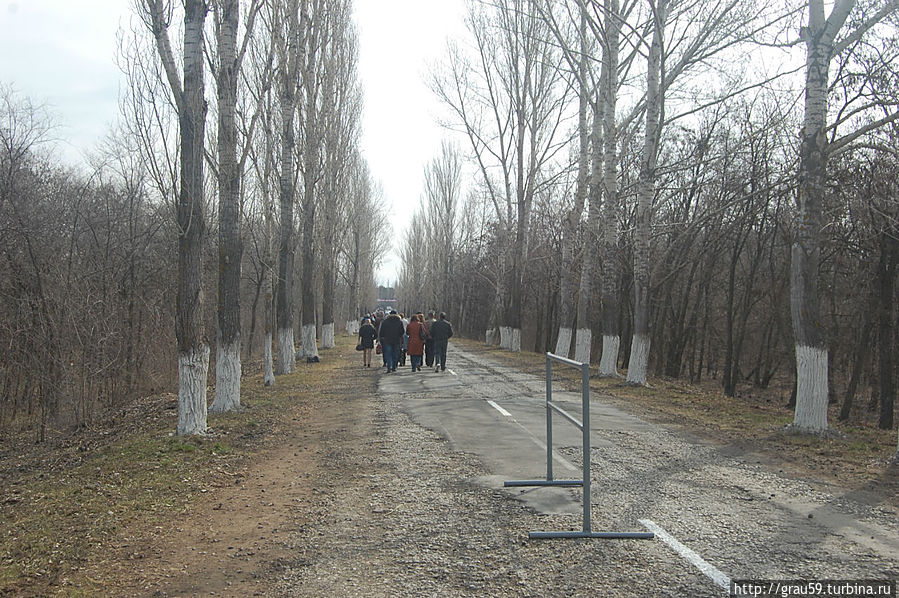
{"points": [[417, 334]]}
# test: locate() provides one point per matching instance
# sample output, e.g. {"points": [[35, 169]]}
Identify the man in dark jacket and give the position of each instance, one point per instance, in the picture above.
{"points": [[390, 335], [429, 340], [441, 331]]}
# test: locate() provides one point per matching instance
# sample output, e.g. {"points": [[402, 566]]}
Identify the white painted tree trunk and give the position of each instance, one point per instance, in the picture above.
{"points": [[287, 360], [639, 360], [489, 337], [269, 373], [608, 363], [505, 340], [563, 342], [811, 390], [328, 336], [227, 377], [583, 340], [310, 349], [352, 327], [192, 370], [515, 340]]}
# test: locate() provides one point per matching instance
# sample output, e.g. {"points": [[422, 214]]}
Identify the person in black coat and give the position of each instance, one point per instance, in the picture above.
{"points": [[367, 336], [429, 340], [390, 336], [441, 331]]}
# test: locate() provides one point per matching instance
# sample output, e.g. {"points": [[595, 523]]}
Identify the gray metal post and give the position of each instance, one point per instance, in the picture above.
{"points": [[585, 422], [549, 419], [584, 426]]}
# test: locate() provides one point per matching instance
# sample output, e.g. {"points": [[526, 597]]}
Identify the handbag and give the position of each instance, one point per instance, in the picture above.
{"points": [[378, 349], [359, 347]]}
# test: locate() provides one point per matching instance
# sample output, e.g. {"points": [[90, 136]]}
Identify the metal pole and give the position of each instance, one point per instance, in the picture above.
{"points": [[549, 419], [585, 423]]}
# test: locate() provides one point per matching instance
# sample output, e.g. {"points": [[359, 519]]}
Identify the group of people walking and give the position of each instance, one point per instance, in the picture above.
{"points": [[424, 340]]}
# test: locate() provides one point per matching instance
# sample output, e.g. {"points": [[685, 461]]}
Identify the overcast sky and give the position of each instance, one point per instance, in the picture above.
{"points": [[62, 53]]}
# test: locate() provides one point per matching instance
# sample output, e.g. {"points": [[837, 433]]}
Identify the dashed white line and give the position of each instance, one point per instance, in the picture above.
{"points": [[697, 561], [498, 408]]}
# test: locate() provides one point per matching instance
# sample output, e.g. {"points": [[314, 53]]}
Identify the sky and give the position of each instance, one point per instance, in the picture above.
{"points": [[62, 53]]}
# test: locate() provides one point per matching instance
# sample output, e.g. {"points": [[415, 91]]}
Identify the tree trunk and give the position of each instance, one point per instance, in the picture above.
{"points": [[227, 362], [311, 173], [811, 352], [310, 347], [193, 351], [572, 222], [611, 339], [886, 283], [861, 354], [639, 358], [288, 101], [328, 283]]}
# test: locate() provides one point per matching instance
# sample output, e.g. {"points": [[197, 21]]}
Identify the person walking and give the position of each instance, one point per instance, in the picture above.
{"points": [[415, 332], [367, 336], [391, 339], [429, 341], [379, 317], [441, 331]]}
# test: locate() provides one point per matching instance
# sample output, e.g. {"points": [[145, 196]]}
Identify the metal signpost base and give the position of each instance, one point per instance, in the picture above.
{"points": [[587, 531]]}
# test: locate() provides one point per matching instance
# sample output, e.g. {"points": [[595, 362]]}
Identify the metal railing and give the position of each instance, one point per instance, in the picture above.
{"points": [[584, 427]]}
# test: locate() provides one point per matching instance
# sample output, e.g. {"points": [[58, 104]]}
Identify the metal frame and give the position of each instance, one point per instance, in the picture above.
{"points": [[584, 427]]}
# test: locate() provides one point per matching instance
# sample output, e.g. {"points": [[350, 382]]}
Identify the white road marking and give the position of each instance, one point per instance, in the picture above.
{"points": [[452, 372], [709, 570], [500, 409]]}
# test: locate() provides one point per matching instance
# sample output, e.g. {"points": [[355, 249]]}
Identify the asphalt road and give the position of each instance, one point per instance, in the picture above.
{"points": [[717, 517]]}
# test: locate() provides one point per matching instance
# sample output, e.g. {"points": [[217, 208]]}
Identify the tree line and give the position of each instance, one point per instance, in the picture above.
{"points": [[708, 186], [237, 148]]}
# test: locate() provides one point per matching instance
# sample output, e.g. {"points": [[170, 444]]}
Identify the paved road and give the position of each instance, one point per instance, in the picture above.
{"points": [[716, 517]]}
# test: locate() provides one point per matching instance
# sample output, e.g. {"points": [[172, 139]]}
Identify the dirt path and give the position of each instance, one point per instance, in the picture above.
{"points": [[238, 535]]}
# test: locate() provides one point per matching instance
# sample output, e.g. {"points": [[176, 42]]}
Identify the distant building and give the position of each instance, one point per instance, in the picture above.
{"points": [[386, 298]]}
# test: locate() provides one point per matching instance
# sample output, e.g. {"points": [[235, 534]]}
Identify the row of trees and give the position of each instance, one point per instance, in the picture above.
{"points": [[92, 275], [639, 170]]}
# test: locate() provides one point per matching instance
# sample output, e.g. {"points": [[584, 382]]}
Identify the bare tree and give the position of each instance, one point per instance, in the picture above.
{"points": [[290, 47], [639, 358], [342, 97], [611, 339], [443, 181], [510, 103], [229, 59], [825, 39], [193, 350]]}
